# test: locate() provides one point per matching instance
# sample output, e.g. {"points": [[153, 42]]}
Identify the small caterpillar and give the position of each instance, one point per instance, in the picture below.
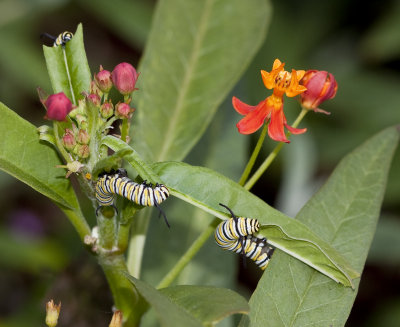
{"points": [[236, 234]]}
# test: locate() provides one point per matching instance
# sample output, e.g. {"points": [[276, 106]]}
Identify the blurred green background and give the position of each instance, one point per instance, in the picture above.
{"points": [[359, 42]]}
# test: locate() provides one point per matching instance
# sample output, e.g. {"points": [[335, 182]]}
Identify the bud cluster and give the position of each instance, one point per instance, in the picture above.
{"points": [[84, 123]]}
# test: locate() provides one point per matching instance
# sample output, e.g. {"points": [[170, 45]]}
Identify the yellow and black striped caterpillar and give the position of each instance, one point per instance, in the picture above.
{"points": [[61, 39], [236, 234], [108, 185]]}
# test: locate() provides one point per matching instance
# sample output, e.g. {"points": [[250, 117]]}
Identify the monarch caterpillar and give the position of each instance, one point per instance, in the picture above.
{"points": [[61, 39], [236, 234], [108, 185]]}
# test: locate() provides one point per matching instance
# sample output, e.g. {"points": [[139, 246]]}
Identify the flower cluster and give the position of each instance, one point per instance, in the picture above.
{"points": [[313, 86], [93, 115]]}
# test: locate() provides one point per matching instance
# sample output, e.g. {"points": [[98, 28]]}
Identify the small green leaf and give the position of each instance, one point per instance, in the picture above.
{"points": [[68, 67], [196, 52], [205, 189], [207, 304], [33, 162], [344, 213], [169, 313]]}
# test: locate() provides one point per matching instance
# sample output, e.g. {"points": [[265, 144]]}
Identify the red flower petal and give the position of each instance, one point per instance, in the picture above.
{"points": [[295, 130], [243, 108], [275, 128], [254, 120]]}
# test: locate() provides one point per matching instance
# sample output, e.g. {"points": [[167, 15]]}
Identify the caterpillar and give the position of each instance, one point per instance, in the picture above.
{"points": [[108, 185], [236, 234], [61, 39]]}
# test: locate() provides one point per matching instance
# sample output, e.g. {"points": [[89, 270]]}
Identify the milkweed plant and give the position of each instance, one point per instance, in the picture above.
{"points": [[118, 137]]}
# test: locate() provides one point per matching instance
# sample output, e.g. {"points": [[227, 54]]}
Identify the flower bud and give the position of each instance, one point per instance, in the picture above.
{"points": [[107, 110], [123, 110], [116, 320], [68, 140], [52, 313], [124, 77], [82, 150], [83, 137], [94, 98], [103, 80], [95, 89], [58, 107], [321, 86], [82, 121]]}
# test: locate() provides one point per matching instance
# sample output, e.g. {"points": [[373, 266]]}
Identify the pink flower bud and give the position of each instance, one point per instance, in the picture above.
{"points": [[123, 110], [58, 107], [94, 89], [95, 99], [68, 140], [103, 80], [107, 110], [321, 86], [82, 150], [83, 137], [124, 77]]}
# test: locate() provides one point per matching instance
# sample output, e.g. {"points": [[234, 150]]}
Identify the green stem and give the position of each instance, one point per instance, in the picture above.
{"points": [[253, 179], [124, 129], [254, 155], [189, 254], [107, 229], [126, 297]]}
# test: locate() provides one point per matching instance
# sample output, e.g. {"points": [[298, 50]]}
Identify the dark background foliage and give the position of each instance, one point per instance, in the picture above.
{"points": [[358, 41]]}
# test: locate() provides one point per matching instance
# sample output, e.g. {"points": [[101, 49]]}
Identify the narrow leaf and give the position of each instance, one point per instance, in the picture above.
{"points": [[169, 313], [68, 67], [196, 52], [344, 213], [205, 189], [207, 304]]}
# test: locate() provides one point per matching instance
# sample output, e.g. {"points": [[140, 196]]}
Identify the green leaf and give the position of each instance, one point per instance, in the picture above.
{"points": [[130, 19], [205, 189], [344, 213], [169, 313], [23, 156], [207, 304], [68, 67], [196, 52]]}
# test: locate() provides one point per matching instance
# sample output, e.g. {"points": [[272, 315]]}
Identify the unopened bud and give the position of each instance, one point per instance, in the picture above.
{"points": [[103, 80], [95, 99], [68, 140], [116, 320], [107, 110], [82, 150], [82, 121], [58, 107], [124, 77], [321, 86], [123, 110], [83, 137], [52, 313]]}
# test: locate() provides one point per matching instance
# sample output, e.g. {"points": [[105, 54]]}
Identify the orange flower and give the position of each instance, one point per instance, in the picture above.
{"points": [[282, 82]]}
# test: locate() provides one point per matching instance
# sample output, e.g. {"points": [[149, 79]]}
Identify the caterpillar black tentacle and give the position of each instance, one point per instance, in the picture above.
{"points": [[61, 39], [236, 234]]}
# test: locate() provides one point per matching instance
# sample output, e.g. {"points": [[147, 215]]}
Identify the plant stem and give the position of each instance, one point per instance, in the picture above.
{"points": [[107, 230], [124, 129], [189, 254], [254, 155], [253, 179], [126, 297]]}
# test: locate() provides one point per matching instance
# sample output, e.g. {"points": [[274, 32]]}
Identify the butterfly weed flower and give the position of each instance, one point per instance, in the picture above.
{"points": [[321, 86], [124, 77], [103, 80], [281, 82], [58, 107]]}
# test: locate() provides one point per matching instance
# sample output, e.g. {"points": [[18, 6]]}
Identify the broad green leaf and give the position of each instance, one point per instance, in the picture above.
{"points": [[196, 52], [68, 67], [205, 188], [169, 313], [130, 19], [344, 213], [207, 304], [23, 156]]}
